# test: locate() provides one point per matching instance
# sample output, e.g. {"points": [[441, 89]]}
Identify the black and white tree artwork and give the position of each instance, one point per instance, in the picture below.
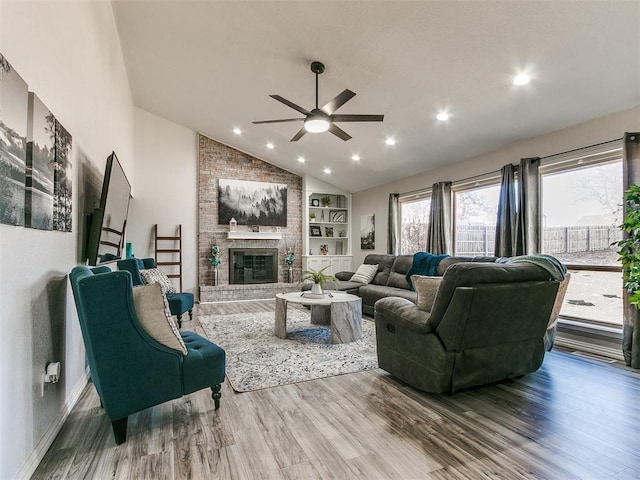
{"points": [[62, 183], [13, 144], [367, 232], [40, 162], [252, 203]]}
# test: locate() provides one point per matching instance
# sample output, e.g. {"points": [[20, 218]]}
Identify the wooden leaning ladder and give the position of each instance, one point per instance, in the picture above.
{"points": [[170, 251]]}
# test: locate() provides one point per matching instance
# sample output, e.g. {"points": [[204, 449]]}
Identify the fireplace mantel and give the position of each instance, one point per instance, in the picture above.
{"points": [[254, 235]]}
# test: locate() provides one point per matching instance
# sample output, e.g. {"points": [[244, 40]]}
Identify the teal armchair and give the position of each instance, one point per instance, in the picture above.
{"points": [[179, 303], [132, 371]]}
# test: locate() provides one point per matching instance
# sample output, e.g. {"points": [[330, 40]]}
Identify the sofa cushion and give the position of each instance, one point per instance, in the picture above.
{"points": [[397, 276], [365, 273], [426, 289], [448, 261], [153, 313], [372, 293], [155, 275], [384, 262]]}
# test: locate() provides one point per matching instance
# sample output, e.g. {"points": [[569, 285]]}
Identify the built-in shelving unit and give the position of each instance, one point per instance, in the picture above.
{"points": [[328, 236]]}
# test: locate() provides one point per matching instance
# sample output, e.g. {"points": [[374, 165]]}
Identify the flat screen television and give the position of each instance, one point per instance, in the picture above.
{"points": [[108, 222]]}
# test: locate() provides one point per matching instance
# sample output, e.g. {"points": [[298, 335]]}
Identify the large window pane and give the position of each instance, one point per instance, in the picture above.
{"points": [[414, 224], [475, 220], [582, 209]]}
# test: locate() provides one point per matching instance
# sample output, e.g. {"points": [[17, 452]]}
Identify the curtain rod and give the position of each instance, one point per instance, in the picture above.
{"points": [[497, 172], [582, 148]]}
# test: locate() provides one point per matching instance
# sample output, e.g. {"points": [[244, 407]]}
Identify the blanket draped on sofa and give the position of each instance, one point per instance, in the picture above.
{"points": [[424, 263]]}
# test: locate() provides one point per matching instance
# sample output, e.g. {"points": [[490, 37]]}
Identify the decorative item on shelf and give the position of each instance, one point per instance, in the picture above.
{"points": [[288, 261], [319, 279], [325, 201], [233, 225], [278, 229], [129, 249], [324, 249], [215, 260], [315, 202], [339, 248], [342, 233], [337, 216], [315, 231], [322, 219], [312, 216], [255, 228], [328, 231]]}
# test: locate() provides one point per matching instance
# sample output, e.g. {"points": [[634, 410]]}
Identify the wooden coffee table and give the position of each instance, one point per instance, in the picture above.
{"points": [[342, 311]]}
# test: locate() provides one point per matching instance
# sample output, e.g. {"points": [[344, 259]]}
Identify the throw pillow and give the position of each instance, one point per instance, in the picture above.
{"points": [[365, 273], [155, 275], [153, 312], [426, 288]]}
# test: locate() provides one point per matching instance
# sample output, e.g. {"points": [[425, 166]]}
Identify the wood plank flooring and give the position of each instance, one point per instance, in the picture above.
{"points": [[575, 418]]}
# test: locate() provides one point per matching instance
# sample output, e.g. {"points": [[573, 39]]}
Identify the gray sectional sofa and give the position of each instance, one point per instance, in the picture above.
{"points": [[390, 281]]}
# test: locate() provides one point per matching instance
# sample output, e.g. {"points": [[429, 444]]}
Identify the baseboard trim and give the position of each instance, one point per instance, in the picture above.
{"points": [[33, 460], [598, 350]]}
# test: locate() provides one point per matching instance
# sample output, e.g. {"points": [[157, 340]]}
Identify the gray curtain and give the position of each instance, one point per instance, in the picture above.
{"points": [[506, 222], [528, 217], [394, 224], [631, 319], [440, 220]]}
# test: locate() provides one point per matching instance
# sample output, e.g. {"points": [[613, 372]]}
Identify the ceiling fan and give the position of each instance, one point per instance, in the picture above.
{"points": [[322, 119]]}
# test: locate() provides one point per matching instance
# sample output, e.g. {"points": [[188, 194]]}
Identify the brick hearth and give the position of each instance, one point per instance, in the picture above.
{"points": [[226, 293]]}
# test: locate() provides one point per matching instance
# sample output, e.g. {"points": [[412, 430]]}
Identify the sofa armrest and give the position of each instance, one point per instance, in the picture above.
{"points": [[402, 313], [346, 276]]}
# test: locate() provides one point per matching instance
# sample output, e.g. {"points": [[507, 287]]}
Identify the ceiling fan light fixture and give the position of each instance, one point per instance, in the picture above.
{"points": [[316, 124]]}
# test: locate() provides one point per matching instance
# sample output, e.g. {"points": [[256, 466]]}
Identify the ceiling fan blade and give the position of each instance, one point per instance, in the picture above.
{"points": [[299, 135], [334, 104], [357, 118], [279, 121], [338, 132], [290, 104]]}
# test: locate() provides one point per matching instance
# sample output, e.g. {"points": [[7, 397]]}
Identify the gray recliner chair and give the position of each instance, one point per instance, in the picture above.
{"points": [[487, 323]]}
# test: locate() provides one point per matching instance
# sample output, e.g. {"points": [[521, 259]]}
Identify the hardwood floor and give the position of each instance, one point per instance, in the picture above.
{"points": [[575, 418]]}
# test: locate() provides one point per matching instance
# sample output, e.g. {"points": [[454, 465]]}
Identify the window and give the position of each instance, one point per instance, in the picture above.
{"points": [[476, 212], [581, 212], [414, 223]]}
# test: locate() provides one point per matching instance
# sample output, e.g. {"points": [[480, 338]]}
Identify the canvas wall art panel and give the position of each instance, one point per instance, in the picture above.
{"points": [[62, 180], [368, 232], [14, 99], [252, 203], [40, 159]]}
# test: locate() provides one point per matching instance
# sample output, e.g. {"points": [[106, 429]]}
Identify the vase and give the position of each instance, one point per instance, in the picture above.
{"points": [[215, 276], [316, 289], [290, 274]]}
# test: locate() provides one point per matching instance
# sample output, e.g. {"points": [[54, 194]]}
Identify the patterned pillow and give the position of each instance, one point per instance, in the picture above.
{"points": [[426, 288], [155, 275], [153, 312], [365, 273]]}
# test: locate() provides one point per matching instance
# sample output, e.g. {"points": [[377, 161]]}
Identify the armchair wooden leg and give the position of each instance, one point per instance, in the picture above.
{"points": [[179, 321], [191, 314], [216, 395], [120, 430]]}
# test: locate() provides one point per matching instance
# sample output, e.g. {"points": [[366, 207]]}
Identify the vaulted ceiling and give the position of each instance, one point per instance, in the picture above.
{"points": [[211, 66]]}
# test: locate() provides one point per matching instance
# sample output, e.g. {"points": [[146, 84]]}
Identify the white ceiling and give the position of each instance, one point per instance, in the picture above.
{"points": [[211, 66]]}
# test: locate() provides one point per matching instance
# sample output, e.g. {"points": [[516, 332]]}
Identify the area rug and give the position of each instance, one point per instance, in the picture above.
{"points": [[257, 359]]}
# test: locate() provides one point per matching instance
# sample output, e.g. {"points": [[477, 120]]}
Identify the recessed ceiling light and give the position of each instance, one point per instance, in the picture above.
{"points": [[442, 116], [327, 171], [237, 131], [301, 159], [355, 157], [521, 79], [390, 141], [270, 146]]}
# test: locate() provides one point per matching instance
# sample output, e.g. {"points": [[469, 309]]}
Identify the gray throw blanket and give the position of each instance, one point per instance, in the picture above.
{"points": [[551, 264]]}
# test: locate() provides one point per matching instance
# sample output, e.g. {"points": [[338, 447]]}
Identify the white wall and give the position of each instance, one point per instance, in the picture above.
{"points": [[69, 55], [376, 200], [166, 191]]}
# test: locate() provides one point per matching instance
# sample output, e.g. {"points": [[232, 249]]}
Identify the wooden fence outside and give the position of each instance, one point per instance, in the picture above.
{"points": [[480, 239]]}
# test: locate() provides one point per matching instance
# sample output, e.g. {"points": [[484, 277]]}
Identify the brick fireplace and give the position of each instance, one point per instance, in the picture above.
{"points": [[217, 161]]}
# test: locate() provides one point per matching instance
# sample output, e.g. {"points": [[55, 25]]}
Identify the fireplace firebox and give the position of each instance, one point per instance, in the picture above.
{"points": [[253, 265]]}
